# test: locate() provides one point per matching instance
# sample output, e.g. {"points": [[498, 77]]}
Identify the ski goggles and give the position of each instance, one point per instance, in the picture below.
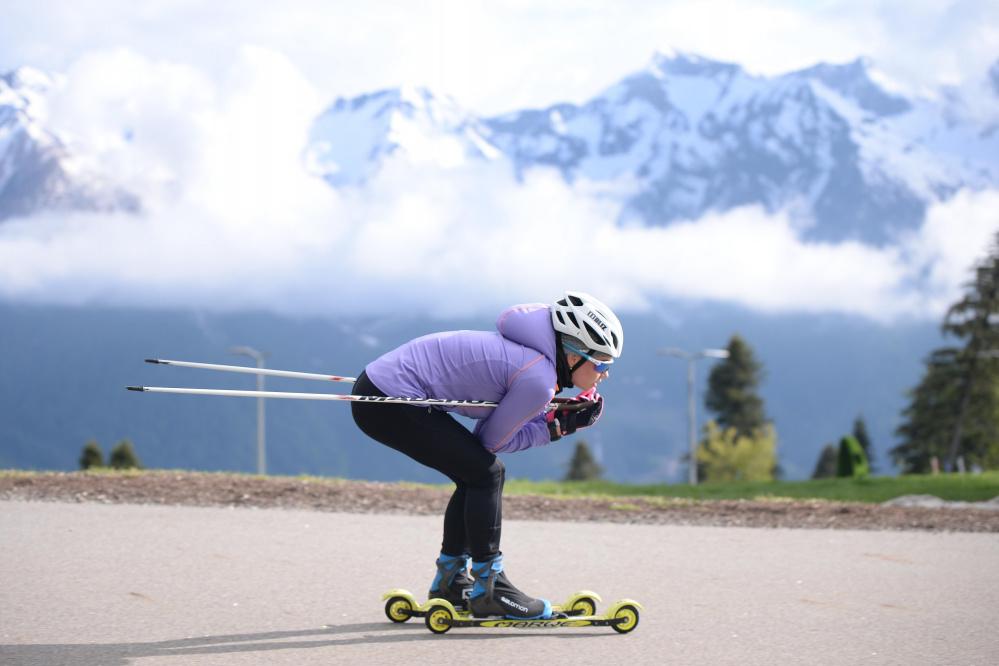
{"points": [[602, 365]]}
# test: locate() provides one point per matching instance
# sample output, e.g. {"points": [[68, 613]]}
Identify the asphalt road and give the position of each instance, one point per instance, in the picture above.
{"points": [[93, 584]]}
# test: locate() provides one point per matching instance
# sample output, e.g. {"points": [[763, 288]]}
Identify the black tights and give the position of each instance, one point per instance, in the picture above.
{"points": [[474, 515]]}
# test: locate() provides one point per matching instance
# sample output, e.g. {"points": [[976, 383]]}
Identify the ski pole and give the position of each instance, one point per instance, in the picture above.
{"points": [[276, 373], [429, 402], [315, 396], [253, 371]]}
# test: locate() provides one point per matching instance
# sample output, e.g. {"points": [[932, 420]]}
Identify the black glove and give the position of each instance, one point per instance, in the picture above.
{"points": [[570, 418]]}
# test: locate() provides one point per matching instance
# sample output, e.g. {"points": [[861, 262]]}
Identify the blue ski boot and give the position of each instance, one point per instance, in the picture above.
{"points": [[452, 581], [493, 594]]}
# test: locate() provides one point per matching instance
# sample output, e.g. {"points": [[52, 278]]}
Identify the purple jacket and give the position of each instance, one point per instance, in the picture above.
{"points": [[514, 367]]}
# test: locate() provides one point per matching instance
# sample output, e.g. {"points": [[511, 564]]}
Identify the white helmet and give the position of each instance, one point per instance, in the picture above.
{"points": [[590, 321]]}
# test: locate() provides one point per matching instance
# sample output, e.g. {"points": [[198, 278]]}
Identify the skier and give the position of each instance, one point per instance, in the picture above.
{"points": [[538, 351]]}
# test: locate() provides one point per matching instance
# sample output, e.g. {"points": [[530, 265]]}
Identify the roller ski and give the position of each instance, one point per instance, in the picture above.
{"points": [[401, 605], [487, 598], [440, 617]]}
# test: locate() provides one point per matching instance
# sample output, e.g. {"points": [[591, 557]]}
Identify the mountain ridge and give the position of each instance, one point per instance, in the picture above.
{"points": [[684, 136], [37, 169]]}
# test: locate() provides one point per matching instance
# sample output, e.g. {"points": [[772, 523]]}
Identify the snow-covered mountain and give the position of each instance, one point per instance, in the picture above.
{"points": [[351, 139], [682, 137], [37, 171], [688, 135]]}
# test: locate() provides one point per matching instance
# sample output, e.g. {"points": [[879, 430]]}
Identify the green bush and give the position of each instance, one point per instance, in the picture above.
{"points": [[957, 487], [123, 456], [725, 455], [91, 456], [852, 460]]}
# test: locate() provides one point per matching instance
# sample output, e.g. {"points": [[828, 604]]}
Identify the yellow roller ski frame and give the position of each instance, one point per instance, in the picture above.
{"points": [[400, 605], [440, 617]]}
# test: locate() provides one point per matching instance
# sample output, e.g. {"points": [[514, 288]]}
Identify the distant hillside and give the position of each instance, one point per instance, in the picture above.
{"points": [[64, 372]]}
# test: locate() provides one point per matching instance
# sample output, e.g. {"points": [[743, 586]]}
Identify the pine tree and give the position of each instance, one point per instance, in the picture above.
{"points": [[864, 439], [732, 390], [975, 318], [123, 456], [91, 456], [929, 418], [825, 466], [954, 411], [583, 466]]}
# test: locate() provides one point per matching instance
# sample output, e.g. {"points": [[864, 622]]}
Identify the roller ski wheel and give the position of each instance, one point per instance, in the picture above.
{"points": [[440, 616], [400, 605], [399, 609], [581, 603], [627, 615]]}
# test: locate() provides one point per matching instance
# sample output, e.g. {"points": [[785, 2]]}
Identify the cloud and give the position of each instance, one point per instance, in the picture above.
{"points": [[494, 57], [233, 221], [155, 125], [955, 235]]}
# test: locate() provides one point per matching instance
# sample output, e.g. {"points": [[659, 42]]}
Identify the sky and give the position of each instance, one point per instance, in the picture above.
{"points": [[494, 57], [232, 220]]}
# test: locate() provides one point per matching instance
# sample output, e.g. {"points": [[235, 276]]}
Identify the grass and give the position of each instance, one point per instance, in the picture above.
{"points": [[954, 487], [962, 487]]}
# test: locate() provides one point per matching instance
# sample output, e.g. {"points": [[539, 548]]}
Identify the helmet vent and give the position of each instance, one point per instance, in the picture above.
{"points": [[575, 300], [596, 337], [572, 318]]}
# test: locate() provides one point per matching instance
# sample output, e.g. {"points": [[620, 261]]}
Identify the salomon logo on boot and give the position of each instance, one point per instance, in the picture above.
{"points": [[522, 609]]}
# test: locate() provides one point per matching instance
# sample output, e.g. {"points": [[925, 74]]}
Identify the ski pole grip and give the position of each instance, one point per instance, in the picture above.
{"points": [[575, 406]]}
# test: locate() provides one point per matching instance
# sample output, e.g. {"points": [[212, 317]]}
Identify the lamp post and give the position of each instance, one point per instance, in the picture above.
{"points": [[261, 436], [691, 358]]}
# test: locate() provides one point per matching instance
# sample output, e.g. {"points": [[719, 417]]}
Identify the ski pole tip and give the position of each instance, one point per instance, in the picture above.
{"points": [[136, 388], [155, 360]]}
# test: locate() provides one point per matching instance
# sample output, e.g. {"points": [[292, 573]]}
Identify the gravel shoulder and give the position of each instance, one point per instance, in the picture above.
{"points": [[233, 490]]}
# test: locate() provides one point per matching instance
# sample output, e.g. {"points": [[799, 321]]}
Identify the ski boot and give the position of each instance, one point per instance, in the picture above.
{"points": [[452, 581], [493, 594]]}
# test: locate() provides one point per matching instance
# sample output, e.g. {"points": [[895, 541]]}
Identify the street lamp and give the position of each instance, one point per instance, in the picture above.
{"points": [[691, 358], [261, 444]]}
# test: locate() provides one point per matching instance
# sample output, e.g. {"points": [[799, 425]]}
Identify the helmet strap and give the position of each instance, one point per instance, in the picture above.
{"points": [[562, 371], [579, 363]]}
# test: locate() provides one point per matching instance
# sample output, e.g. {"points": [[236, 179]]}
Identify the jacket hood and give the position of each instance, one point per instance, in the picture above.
{"points": [[529, 325]]}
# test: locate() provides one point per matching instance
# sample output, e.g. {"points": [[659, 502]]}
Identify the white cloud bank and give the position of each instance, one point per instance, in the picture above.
{"points": [[234, 221], [494, 57]]}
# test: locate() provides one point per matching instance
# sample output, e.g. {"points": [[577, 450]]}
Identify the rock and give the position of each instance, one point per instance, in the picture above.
{"points": [[934, 502]]}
